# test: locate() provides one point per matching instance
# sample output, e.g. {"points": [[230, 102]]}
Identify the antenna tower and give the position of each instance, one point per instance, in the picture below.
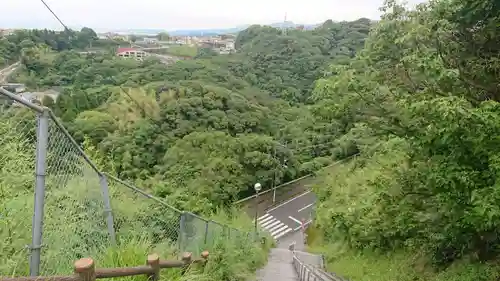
{"points": [[284, 29]]}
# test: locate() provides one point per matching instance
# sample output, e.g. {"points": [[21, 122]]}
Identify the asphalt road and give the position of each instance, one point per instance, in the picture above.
{"points": [[288, 216]]}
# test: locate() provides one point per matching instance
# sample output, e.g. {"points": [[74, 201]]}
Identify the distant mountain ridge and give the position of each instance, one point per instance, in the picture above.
{"points": [[212, 31]]}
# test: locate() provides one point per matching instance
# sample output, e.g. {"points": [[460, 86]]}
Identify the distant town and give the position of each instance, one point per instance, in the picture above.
{"points": [[139, 45], [222, 44]]}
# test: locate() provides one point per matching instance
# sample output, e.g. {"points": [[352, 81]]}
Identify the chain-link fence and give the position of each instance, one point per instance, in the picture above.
{"points": [[73, 199], [74, 223], [139, 215], [17, 163]]}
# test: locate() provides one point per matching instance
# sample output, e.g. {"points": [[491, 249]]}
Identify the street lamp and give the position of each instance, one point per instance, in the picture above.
{"points": [[273, 187], [274, 180], [257, 188]]}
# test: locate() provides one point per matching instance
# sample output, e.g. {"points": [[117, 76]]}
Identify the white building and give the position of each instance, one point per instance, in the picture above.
{"points": [[131, 53]]}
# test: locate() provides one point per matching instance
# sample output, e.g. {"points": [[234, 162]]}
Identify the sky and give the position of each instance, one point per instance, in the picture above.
{"points": [[180, 14]]}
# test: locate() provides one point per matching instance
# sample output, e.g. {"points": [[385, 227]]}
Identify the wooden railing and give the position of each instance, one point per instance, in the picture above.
{"points": [[84, 269]]}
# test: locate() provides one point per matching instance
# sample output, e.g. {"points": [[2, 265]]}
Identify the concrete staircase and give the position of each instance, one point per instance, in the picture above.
{"points": [[279, 267]]}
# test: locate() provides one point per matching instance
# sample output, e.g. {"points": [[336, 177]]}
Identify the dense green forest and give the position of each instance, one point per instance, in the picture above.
{"points": [[198, 133], [201, 132], [421, 99], [21, 43], [415, 94]]}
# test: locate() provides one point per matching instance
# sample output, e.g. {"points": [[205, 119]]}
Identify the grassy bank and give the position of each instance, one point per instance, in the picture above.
{"points": [[350, 188], [75, 225], [398, 266]]}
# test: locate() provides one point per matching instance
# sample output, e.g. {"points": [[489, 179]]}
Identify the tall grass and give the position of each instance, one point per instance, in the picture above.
{"points": [[75, 225], [366, 265]]}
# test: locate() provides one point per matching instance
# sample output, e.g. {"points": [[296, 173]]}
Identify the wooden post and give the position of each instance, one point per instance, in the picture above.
{"points": [[186, 258], [204, 256], [85, 269], [154, 262]]}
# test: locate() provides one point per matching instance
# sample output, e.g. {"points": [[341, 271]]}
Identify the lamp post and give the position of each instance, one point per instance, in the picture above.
{"points": [[257, 188], [274, 171]]}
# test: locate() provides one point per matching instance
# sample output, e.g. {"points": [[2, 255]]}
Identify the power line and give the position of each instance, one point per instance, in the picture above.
{"points": [[54, 14], [143, 109], [67, 29]]}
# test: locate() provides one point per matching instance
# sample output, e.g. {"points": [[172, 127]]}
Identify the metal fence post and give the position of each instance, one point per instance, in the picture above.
{"points": [[107, 207], [206, 232], [182, 229], [42, 132]]}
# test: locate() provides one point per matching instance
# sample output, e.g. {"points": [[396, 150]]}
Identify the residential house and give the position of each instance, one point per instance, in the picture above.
{"points": [[131, 53]]}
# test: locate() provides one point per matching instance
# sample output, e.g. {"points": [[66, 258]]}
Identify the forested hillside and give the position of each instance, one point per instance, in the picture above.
{"points": [[22, 42], [201, 132], [422, 104], [415, 94]]}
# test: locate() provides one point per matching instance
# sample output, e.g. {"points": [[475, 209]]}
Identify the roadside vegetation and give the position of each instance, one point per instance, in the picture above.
{"points": [[197, 134], [422, 106], [415, 94]]}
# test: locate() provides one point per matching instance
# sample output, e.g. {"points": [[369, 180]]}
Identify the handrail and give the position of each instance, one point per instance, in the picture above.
{"points": [[84, 269], [308, 272]]}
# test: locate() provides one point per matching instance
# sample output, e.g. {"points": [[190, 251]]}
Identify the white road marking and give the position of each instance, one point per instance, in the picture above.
{"points": [[264, 223], [274, 226], [302, 209], [263, 217], [299, 227], [282, 233], [295, 220], [288, 201], [270, 225], [276, 231], [266, 220]]}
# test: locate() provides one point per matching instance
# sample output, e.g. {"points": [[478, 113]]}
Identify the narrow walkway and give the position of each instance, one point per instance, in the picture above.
{"points": [[279, 265]]}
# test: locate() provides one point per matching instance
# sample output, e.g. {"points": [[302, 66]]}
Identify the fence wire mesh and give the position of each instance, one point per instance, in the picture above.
{"points": [[17, 164], [77, 217], [74, 221], [140, 219], [198, 234]]}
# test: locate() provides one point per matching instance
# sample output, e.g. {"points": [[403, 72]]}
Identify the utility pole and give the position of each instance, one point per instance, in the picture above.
{"points": [[274, 172], [274, 176]]}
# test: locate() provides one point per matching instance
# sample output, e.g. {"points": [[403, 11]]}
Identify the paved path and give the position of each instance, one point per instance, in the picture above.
{"points": [[287, 217], [279, 265]]}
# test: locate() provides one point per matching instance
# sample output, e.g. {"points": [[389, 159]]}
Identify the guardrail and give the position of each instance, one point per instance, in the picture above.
{"points": [[308, 272], [283, 192], [295, 180], [84, 269]]}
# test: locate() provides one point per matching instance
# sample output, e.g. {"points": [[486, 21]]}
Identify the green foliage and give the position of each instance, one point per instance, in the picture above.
{"points": [[75, 227], [287, 65], [22, 42], [182, 51], [420, 104], [225, 117]]}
